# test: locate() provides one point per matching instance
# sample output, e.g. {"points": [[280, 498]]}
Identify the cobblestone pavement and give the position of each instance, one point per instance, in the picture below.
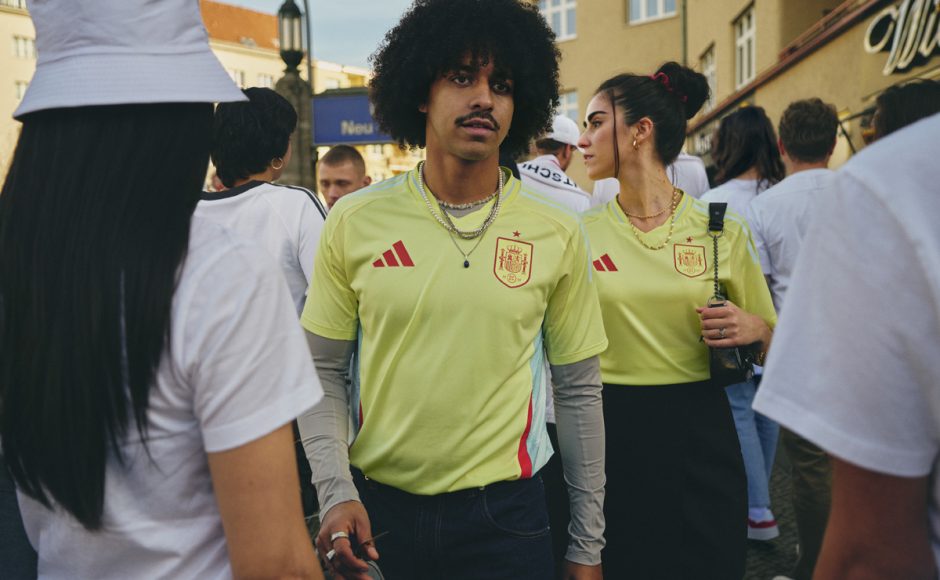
{"points": [[776, 557]]}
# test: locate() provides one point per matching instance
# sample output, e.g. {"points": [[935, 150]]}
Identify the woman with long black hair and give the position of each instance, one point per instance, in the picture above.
{"points": [[151, 363], [748, 159], [676, 499]]}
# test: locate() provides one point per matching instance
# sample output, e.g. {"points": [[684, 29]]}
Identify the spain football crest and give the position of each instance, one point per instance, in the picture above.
{"points": [[690, 260], [513, 262]]}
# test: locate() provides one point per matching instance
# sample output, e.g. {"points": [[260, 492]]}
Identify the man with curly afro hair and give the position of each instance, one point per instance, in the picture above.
{"points": [[448, 286]]}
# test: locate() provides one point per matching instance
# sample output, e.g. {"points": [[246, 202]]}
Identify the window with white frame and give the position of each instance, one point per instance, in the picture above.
{"points": [[266, 81], [745, 65], [20, 89], [562, 16], [24, 47], [710, 72], [568, 106], [643, 10], [238, 76]]}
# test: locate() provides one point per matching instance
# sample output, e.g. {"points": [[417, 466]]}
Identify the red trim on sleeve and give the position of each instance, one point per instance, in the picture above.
{"points": [[525, 462]]}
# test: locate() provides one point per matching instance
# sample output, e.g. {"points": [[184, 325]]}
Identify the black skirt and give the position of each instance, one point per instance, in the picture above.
{"points": [[676, 501]]}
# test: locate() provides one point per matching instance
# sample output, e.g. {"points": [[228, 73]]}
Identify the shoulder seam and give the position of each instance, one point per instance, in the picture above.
{"points": [[313, 197]]}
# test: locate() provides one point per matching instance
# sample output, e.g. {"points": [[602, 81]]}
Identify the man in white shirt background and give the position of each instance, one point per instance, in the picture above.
{"points": [[546, 173], [340, 172], [779, 218], [854, 364]]}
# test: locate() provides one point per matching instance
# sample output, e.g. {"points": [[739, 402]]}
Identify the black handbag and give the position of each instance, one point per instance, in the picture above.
{"points": [[733, 365]]}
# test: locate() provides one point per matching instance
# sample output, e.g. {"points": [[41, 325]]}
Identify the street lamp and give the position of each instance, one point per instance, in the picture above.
{"points": [[290, 31]]}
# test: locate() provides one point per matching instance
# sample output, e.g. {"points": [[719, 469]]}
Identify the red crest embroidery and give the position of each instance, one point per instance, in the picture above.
{"points": [[512, 263]]}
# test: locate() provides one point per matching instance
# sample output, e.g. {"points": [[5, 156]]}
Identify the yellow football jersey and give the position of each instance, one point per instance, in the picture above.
{"points": [[446, 392], [648, 298]]}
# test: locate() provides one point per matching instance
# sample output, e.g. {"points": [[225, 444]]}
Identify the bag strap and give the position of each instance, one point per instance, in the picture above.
{"points": [[716, 228], [716, 216]]}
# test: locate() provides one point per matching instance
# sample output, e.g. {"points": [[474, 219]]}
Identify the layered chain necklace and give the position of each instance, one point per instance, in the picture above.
{"points": [[676, 198], [443, 217]]}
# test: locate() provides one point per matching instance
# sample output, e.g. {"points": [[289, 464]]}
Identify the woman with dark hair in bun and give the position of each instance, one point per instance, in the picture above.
{"points": [[676, 494]]}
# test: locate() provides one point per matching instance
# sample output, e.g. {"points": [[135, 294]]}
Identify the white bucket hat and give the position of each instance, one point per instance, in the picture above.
{"points": [[114, 52], [564, 130]]}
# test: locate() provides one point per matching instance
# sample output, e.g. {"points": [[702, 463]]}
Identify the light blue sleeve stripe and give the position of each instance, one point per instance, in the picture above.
{"points": [[538, 445]]}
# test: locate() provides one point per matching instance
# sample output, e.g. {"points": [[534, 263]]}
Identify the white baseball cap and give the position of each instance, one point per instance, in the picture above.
{"points": [[564, 130], [115, 52]]}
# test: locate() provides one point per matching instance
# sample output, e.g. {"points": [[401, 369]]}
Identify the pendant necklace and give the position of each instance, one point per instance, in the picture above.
{"points": [[443, 218], [466, 255]]}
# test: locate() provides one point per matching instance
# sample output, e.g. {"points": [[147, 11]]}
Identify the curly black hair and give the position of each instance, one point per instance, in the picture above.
{"points": [[435, 36], [246, 136]]}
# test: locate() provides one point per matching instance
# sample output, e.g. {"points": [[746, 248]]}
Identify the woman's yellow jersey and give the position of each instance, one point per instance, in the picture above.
{"points": [[648, 297]]}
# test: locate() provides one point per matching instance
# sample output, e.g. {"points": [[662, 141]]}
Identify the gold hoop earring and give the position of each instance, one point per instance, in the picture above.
{"points": [[279, 165], [636, 146]]}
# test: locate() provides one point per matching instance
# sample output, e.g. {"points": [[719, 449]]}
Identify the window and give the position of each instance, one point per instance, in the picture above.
{"points": [[266, 81], [569, 106], [331, 83], [644, 10], [238, 76], [560, 14], [709, 71], [745, 49], [20, 88], [24, 47], [14, 3]]}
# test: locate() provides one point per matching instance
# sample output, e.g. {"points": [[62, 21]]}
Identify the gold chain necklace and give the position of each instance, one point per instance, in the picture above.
{"points": [[676, 198]]}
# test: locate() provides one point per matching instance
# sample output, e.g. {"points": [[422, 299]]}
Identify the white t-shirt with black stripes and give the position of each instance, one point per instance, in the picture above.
{"points": [[285, 220]]}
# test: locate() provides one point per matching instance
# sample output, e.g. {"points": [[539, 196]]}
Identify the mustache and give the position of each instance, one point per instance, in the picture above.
{"points": [[478, 115]]}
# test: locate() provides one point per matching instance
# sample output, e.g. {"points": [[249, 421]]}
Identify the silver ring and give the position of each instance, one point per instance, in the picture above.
{"points": [[337, 535], [721, 333], [330, 554]]}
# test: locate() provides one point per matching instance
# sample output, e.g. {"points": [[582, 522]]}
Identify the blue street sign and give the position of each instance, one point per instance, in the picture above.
{"points": [[345, 119]]}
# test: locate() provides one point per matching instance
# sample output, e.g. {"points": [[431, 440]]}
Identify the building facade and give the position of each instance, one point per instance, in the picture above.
{"points": [[245, 42], [759, 52]]}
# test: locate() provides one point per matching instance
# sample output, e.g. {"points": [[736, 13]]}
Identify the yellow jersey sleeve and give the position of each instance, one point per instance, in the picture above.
{"points": [[748, 287], [574, 329], [332, 306]]}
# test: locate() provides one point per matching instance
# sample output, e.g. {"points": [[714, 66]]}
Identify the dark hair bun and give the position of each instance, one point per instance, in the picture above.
{"points": [[689, 86]]}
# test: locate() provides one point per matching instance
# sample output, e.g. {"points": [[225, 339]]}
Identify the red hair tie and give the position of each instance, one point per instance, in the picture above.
{"points": [[664, 80]]}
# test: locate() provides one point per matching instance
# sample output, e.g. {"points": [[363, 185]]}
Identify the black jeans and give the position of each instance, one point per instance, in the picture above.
{"points": [[500, 531]]}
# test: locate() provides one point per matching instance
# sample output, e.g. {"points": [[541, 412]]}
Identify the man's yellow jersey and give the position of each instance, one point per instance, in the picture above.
{"points": [[447, 386], [648, 297]]}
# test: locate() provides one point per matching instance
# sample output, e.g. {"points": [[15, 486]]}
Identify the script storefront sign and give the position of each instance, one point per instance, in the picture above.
{"points": [[909, 32]]}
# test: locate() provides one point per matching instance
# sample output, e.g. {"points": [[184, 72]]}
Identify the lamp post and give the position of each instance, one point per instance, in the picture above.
{"points": [[300, 169]]}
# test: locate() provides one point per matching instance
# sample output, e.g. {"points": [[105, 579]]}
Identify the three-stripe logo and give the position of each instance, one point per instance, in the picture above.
{"points": [[604, 264], [398, 256]]}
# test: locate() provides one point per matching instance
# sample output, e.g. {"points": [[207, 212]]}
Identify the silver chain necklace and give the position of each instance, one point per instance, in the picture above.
{"points": [[466, 255], [444, 219], [465, 206]]}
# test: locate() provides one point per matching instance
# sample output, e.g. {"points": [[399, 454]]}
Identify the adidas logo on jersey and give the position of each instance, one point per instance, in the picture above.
{"points": [[604, 264], [396, 257]]}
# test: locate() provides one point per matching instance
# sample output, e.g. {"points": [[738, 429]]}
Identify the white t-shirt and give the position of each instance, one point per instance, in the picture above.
{"points": [[687, 173], [779, 218], [737, 193], [854, 365], [286, 221], [544, 175], [237, 368]]}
